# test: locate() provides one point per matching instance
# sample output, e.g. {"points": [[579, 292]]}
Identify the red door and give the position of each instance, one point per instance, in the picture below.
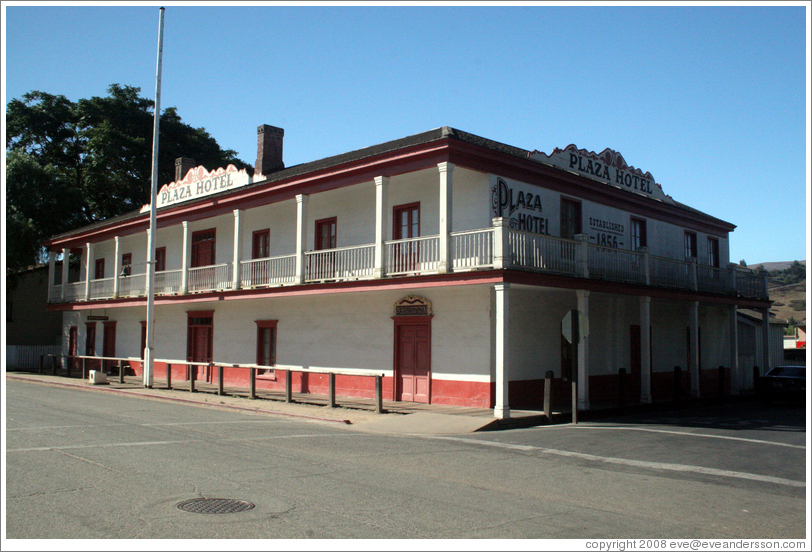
{"points": [[73, 347], [406, 224], [109, 345], [413, 362], [199, 345]]}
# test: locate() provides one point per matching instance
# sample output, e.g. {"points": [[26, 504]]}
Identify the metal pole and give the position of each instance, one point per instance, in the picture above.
{"points": [[149, 360]]}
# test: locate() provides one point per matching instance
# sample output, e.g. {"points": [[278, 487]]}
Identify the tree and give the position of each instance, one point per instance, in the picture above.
{"points": [[71, 164]]}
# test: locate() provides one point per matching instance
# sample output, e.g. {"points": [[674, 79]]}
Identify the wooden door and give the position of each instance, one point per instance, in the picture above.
{"points": [[406, 224], [109, 345], [199, 344], [413, 362]]}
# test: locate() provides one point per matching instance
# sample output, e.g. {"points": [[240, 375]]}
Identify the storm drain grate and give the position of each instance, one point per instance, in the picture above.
{"points": [[215, 506]]}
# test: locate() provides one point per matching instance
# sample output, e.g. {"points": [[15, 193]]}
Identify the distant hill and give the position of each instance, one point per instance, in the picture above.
{"points": [[775, 266]]}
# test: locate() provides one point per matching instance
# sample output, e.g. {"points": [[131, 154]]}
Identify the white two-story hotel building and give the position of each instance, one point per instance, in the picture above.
{"points": [[443, 260]]}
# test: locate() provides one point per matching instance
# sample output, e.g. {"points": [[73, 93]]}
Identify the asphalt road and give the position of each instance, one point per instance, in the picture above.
{"points": [[94, 465]]}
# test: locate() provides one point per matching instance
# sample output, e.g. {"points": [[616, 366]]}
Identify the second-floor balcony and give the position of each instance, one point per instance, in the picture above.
{"points": [[497, 247]]}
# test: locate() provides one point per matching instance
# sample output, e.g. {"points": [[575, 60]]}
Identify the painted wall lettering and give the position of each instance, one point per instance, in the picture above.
{"points": [[519, 206]]}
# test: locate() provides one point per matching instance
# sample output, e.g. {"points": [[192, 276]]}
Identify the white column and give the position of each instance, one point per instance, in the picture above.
{"points": [[502, 409], [583, 253], [765, 341], [184, 277], [235, 283], [735, 374], [693, 350], [446, 171], [116, 268], [88, 266], [645, 349], [65, 268], [501, 243], [583, 355], [301, 236], [381, 219]]}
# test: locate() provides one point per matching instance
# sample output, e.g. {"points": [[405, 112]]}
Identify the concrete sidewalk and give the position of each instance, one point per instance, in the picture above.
{"points": [[402, 418]]}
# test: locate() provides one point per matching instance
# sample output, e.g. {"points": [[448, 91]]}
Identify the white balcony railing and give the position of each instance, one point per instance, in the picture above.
{"points": [[472, 249], [101, 288], [74, 291], [413, 255], [345, 263], [544, 253], [271, 271], [210, 278], [168, 282], [610, 263], [665, 272], [134, 285]]}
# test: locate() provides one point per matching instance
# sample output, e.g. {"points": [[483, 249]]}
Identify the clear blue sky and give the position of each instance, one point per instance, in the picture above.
{"points": [[711, 100]]}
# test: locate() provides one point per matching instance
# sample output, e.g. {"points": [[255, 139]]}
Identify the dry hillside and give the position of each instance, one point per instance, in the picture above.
{"points": [[788, 300]]}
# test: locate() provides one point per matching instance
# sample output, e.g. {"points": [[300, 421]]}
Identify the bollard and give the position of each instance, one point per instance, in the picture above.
{"points": [[332, 378], [192, 369], [219, 379], [288, 387], [253, 376], [677, 383], [84, 368], [574, 402], [168, 376], [379, 394], [721, 381], [120, 371], [621, 388], [548, 393]]}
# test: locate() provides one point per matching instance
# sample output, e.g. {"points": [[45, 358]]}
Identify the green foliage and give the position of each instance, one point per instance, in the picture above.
{"points": [[71, 164], [793, 274]]}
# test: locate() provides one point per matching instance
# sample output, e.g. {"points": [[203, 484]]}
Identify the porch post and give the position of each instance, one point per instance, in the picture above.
{"points": [[51, 272], [184, 275], [446, 171], [65, 268], [381, 206], [693, 361], [116, 268], [501, 243], [765, 340], [645, 349], [735, 374], [301, 236], [235, 282], [583, 254], [88, 266], [583, 355], [502, 409]]}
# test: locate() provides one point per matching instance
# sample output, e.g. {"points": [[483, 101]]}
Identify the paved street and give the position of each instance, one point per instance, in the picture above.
{"points": [[88, 464]]}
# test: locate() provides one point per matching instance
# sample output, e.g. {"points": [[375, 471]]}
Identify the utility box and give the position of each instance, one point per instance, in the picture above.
{"points": [[97, 377]]}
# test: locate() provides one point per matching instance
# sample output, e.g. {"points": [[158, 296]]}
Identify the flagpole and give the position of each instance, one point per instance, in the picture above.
{"points": [[149, 359]]}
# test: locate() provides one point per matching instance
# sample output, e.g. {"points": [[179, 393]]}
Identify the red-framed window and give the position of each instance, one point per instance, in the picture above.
{"points": [[99, 269], [266, 346], [326, 234], [639, 234], [126, 263], [570, 218], [90, 339], [713, 252], [406, 221], [160, 259], [261, 244]]}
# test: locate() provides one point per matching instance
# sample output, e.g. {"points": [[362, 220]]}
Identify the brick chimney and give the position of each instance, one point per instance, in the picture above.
{"points": [[269, 150], [182, 166]]}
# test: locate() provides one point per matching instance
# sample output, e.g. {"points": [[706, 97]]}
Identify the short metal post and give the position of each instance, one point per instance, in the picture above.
{"points": [[677, 383], [84, 368], [332, 377], [288, 387], [621, 388], [168, 375], [219, 380], [120, 371], [548, 394], [253, 377], [192, 369], [574, 402], [379, 394]]}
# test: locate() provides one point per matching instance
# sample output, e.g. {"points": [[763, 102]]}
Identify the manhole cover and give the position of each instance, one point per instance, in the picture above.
{"points": [[215, 506]]}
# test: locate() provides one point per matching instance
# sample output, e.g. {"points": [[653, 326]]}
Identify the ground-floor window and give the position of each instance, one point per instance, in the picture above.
{"points": [[266, 346]]}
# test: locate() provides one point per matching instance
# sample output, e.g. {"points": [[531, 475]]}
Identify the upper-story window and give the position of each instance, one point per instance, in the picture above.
{"points": [[160, 259], [713, 252], [203, 247], [690, 245], [570, 218], [326, 234], [126, 263], [406, 221], [99, 269], [639, 234], [261, 244]]}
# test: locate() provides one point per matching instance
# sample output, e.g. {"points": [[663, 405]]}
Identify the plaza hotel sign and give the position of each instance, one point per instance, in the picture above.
{"points": [[199, 183], [607, 167]]}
